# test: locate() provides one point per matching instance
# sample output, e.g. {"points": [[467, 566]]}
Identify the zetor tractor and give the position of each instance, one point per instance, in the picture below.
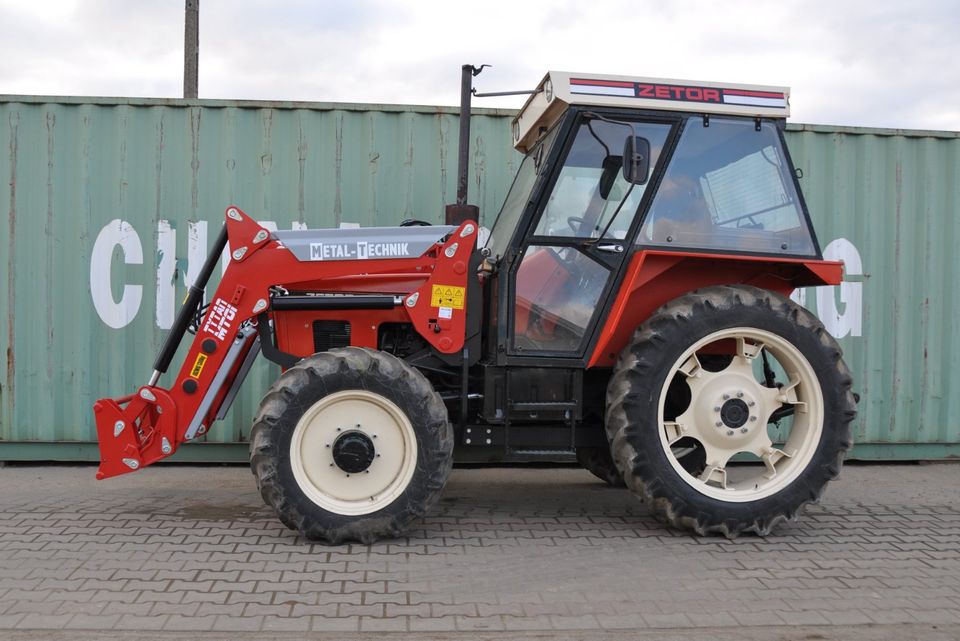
{"points": [[629, 310]]}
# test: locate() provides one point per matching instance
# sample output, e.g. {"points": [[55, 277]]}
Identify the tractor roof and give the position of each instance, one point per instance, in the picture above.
{"points": [[559, 89]]}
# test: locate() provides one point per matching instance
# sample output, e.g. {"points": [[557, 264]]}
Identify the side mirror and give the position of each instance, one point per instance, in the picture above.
{"points": [[636, 160]]}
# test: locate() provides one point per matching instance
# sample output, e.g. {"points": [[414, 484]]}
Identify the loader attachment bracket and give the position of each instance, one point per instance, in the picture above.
{"points": [[135, 430], [246, 235]]}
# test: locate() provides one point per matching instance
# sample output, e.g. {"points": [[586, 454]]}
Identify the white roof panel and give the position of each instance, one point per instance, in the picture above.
{"points": [[559, 89]]}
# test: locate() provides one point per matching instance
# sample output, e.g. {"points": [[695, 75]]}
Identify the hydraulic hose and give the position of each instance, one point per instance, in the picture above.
{"points": [[189, 307]]}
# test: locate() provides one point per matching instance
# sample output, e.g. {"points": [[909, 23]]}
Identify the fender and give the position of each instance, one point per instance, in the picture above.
{"points": [[654, 277]]}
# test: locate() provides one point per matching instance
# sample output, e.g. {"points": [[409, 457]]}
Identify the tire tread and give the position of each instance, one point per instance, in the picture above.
{"points": [[641, 361], [267, 453]]}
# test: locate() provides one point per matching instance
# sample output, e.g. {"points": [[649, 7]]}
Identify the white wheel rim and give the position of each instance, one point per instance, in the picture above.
{"points": [[706, 418], [329, 486]]}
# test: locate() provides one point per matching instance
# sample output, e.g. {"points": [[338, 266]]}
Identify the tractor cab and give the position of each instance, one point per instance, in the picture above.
{"points": [[617, 166]]}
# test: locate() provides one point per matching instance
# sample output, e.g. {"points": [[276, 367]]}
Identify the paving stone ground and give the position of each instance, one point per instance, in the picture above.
{"points": [[508, 553]]}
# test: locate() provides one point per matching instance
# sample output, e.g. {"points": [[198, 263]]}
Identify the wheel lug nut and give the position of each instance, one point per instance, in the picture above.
{"points": [[729, 432], [719, 423], [753, 418], [743, 430], [726, 397], [739, 394], [716, 409], [751, 403]]}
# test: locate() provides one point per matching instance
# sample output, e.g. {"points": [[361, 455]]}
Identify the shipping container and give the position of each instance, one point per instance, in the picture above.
{"points": [[112, 203]]}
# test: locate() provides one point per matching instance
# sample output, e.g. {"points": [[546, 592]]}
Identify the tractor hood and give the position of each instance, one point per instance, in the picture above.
{"points": [[363, 243]]}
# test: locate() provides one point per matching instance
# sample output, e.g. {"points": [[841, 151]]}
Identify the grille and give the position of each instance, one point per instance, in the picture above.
{"points": [[330, 334]]}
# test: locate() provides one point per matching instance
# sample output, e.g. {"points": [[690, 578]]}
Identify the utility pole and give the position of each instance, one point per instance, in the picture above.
{"points": [[191, 48]]}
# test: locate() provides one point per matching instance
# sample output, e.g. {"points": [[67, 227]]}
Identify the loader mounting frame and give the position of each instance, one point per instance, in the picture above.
{"points": [[145, 427]]}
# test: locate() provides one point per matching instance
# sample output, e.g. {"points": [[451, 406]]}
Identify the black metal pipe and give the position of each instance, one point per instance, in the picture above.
{"points": [[463, 158], [491, 94], [190, 304], [302, 303], [268, 346]]}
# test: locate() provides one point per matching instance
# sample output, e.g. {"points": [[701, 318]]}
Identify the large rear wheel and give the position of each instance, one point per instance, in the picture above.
{"points": [[351, 444], [754, 385], [597, 461]]}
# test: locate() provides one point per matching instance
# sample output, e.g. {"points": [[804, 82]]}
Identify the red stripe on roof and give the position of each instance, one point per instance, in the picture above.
{"points": [[601, 83], [754, 94]]}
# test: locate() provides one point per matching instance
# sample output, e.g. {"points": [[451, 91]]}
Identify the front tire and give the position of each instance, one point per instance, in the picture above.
{"points": [[351, 444], [689, 378]]}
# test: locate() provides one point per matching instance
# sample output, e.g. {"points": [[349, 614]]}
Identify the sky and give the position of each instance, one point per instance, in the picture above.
{"points": [[848, 62]]}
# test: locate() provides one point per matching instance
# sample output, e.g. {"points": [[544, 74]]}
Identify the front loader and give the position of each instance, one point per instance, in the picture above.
{"points": [[629, 309]]}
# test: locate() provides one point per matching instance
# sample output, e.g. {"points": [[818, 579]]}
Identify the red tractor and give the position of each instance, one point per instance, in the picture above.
{"points": [[629, 309]]}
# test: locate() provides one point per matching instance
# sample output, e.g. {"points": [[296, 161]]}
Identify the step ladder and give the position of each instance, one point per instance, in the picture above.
{"points": [[571, 409]]}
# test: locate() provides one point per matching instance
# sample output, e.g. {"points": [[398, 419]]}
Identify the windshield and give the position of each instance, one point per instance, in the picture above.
{"points": [[519, 195]]}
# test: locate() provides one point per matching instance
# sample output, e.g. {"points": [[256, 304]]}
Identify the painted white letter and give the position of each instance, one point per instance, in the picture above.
{"points": [[851, 294], [196, 250], [115, 314], [166, 286]]}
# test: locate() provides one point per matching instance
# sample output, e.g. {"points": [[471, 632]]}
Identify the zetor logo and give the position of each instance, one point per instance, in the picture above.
{"points": [[219, 318], [677, 92]]}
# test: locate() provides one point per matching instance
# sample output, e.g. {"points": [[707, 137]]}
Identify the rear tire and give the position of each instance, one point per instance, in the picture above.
{"points": [[599, 462], [351, 444], [728, 412]]}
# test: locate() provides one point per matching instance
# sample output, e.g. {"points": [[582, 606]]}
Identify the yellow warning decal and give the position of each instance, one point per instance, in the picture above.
{"points": [[447, 296], [198, 365]]}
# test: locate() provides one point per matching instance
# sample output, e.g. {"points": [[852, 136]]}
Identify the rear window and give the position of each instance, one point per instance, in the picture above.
{"points": [[728, 187]]}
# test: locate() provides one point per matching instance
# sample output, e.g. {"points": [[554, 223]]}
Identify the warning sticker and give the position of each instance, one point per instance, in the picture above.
{"points": [[198, 365], [446, 313], [447, 296]]}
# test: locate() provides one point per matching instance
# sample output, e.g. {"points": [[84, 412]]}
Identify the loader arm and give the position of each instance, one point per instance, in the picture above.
{"points": [[149, 425]]}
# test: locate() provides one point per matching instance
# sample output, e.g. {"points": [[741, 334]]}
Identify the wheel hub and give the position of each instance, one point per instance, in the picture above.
{"points": [[353, 452], [734, 413], [729, 412]]}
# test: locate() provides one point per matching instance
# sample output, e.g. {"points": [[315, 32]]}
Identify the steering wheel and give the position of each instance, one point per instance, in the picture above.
{"points": [[414, 222], [567, 261], [575, 223]]}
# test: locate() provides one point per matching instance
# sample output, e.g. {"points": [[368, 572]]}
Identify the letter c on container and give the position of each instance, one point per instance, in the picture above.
{"points": [[116, 233]]}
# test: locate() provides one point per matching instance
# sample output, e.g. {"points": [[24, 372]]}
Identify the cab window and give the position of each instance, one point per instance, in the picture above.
{"points": [[588, 193], [728, 187], [519, 195]]}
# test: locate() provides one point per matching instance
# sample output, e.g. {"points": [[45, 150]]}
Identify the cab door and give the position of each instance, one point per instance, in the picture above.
{"points": [[578, 239]]}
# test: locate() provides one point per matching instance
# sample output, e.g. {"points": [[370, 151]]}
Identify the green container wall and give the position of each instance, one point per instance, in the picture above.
{"points": [[73, 168], [895, 196]]}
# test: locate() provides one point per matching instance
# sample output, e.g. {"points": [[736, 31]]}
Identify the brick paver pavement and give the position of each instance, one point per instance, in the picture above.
{"points": [[515, 551]]}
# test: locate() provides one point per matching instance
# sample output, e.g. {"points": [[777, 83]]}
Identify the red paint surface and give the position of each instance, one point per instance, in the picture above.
{"points": [[655, 277]]}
